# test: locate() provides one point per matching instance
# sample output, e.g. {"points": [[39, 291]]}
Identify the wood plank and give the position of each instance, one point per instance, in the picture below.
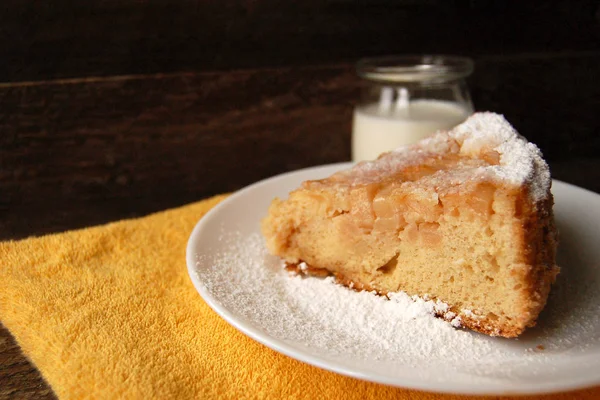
{"points": [[126, 147], [62, 38], [18, 377]]}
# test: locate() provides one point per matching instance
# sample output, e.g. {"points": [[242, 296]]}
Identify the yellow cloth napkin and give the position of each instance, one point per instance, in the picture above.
{"points": [[109, 312]]}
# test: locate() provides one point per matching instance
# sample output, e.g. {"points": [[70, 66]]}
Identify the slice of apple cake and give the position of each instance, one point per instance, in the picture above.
{"points": [[463, 217]]}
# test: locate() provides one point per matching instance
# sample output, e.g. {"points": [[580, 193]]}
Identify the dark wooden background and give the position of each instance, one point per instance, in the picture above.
{"points": [[112, 109]]}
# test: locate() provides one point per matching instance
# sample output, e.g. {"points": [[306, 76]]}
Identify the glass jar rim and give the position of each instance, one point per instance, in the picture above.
{"points": [[415, 68]]}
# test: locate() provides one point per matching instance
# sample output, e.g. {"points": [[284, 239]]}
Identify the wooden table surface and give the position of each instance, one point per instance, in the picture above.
{"points": [[97, 124]]}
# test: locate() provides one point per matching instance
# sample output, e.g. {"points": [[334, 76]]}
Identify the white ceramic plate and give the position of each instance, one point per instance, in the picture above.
{"points": [[569, 327]]}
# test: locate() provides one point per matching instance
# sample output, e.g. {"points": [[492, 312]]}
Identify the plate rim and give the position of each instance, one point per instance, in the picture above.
{"points": [[280, 346]]}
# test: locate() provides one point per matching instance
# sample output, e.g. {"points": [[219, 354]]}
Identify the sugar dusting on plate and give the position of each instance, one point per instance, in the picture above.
{"points": [[331, 320]]}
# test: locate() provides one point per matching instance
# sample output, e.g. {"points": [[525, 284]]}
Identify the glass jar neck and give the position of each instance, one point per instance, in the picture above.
{"points": [[415, 70]]}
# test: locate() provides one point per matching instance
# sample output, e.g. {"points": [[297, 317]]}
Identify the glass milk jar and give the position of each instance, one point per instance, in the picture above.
{"points": [[407, 98]]}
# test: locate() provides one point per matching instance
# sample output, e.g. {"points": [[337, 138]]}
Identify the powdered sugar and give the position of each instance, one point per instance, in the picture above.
{"points": [[520, 162], [332, 321]]}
